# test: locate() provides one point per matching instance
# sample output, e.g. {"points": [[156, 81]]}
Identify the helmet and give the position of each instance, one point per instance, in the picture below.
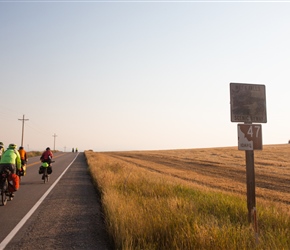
{"points": [[12, 145], [48, 148], [20, 147], [1, 143]]}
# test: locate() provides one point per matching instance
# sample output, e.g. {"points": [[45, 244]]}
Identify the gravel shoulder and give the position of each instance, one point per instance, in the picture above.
{"points": [[70, 218]]}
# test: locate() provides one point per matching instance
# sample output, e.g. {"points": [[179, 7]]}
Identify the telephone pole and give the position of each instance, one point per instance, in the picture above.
{"points": [[23, 120], [54, 141]]}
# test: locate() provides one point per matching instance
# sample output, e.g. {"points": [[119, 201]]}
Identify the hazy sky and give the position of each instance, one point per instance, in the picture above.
{"points": [[121, 75]]}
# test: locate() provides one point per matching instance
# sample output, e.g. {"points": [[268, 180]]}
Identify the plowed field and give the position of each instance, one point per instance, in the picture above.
{"points": [[220, 168]]}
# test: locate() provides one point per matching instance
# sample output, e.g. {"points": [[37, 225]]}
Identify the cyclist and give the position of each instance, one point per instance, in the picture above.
{"points": [[24, 159], [46, 156], [2, 149], [11, 160]]}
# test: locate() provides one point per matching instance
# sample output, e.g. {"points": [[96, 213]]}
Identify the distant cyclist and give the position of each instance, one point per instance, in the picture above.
{"points": [[46, 156], [23, 155], [11, 160], [24, 160]]}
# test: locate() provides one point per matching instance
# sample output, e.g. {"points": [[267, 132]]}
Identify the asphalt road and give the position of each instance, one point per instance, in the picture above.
{"points": [[64, 213]]}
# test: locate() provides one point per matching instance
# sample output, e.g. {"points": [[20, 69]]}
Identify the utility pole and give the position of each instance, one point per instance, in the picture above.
{"points": [[23, 120], [54, 141]]}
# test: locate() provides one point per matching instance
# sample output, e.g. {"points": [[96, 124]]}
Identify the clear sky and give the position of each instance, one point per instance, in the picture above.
{"points": [[139, 75]]}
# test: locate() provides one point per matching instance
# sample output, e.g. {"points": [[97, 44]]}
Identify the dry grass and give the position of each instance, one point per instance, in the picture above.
{"points": [[193, 199], [33, 153]]}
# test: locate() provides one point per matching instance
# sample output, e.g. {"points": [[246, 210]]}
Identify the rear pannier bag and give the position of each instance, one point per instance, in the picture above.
{"points": [[49, 170], [40, 171]]}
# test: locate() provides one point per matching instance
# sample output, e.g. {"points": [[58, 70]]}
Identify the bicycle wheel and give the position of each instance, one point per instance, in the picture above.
{"points": [[45, 175], [19, 174], [4, 188]]}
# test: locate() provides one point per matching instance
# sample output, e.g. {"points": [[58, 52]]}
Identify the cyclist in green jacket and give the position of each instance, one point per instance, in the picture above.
{"points": [[11, 160]]}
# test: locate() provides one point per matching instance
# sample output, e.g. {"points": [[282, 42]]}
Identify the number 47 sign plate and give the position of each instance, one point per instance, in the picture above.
{"points": [[249, 136]]}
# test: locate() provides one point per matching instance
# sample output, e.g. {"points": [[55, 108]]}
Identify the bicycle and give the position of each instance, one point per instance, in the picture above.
{"points": [[46, 171], [5, 194], [45, 175]]}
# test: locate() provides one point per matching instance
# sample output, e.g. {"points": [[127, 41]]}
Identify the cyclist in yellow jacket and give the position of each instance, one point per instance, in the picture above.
{"points": [[12, 161]]}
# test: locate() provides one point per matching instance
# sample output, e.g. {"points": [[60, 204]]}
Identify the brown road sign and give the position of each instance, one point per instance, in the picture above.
{"points": [[248, 103], [249, 136]]}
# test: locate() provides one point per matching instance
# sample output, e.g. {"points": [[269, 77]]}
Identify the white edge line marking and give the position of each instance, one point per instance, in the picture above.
{"points": [[9, 237]]}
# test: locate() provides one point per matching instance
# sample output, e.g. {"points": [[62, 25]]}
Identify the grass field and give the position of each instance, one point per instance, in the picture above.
{"points": [[193, 198]]}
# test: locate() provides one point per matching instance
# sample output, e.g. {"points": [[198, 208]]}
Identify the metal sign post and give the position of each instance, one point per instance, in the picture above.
{"points": [[251, 190], [248, 105]]}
